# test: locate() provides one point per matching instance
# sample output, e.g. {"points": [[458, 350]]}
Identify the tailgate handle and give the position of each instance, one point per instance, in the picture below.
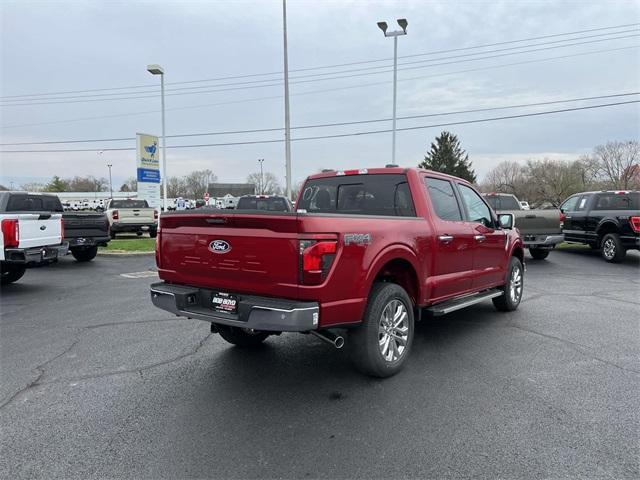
{"points": [[217, 221], [44, 216]]}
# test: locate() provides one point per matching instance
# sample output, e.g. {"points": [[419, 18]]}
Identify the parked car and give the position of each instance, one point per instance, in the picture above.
{"points": [[85, 232], [540, 229], [271, 203], [367, 251], [605, 220], [131, 216], [32, 233], [525, 205]]}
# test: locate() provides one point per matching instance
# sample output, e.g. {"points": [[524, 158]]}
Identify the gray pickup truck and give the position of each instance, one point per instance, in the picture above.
{"points": [[540, 229]]}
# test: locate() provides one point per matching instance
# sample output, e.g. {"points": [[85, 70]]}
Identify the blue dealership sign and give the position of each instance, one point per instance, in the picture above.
{"points": [[148, 175]]}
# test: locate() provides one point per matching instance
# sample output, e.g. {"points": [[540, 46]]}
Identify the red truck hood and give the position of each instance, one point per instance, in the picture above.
{"points": [[234, 252]]}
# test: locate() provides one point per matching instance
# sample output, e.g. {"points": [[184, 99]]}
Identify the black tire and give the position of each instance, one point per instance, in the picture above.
{"points": [[139, 234], [539, 253], [612, 249], [508, 302], [364, 341], [11, 273], [242, 337], [85, 254], [112, 235], [153, 233]]}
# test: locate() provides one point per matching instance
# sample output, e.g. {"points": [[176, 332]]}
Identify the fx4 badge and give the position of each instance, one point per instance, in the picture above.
{"points": [[357, 239]]}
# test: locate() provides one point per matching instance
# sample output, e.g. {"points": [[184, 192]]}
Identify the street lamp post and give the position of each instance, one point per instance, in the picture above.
{"points": [[287, 121], [158, 70], [395, 34], [110, 182], [260, 160]]}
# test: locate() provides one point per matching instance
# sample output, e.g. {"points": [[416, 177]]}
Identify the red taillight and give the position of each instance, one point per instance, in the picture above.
{"points": [[115, 215], [316, 259], [562, 217], [61, 230], [635, 224], [11, 233]]}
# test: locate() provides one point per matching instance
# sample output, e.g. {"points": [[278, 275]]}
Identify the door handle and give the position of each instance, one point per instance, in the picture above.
{"points": [[480, 238], [445, 238]]}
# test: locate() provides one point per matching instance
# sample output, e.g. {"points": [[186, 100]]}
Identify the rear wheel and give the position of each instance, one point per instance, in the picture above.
{"points": [[539, 253], [112, 235], [153, 233], [84, 254], [10, 274], [612, 249], [381, 345], [139, 233], [513, 289], [242, 337]]}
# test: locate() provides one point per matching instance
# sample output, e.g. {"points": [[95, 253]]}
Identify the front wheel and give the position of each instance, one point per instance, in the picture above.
{"points": [[84, 254], [10, 274], [242, 337], [539, 253], [612, 249], [512, 290], [381, 345]]}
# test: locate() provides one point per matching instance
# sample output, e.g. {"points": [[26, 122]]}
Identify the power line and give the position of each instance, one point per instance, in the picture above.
{"points": [[233, 77], [257, 83], [342, 135], [313, 92], [349, 74], [335, 124]]}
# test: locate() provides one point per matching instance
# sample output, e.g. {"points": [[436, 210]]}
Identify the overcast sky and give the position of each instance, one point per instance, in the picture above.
{"points": [[49, 46]]}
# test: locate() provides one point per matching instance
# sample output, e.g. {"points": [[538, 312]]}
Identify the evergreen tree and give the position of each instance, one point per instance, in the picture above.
{"points": [[57, 184], [447, 156]]}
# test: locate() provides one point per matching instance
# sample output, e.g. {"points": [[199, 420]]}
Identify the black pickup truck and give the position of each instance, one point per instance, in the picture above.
{"points": [[85, 232], [605, 220]]}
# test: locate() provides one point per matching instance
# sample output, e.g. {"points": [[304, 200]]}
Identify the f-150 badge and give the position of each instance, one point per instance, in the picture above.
{"points": [[357, 238]]}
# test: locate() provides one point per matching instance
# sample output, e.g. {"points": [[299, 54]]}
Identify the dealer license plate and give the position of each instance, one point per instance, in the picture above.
{"points": [[224, 302]]}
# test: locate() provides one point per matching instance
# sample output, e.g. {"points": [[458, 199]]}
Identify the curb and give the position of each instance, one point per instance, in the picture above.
{"points": [[125, 253]]}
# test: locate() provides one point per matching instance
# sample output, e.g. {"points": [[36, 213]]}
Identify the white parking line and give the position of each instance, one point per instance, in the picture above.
{"points": [[145, 274]]}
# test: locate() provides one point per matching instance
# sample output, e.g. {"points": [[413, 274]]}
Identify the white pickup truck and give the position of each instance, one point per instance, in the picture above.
{"points": [[131, 216], [32, 233]]}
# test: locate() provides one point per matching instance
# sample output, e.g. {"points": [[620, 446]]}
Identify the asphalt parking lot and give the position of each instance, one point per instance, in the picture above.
{"points": [[97, 383]]}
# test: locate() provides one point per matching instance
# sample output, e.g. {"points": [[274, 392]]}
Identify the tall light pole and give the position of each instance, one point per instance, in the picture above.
{"points": [[287, 121], [395, 34], [110, 183], [158, 70], [260, 160]]}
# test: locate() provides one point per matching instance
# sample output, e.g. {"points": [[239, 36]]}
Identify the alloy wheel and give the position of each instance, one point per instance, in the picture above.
{"points": [[393, 331], [515, 284], [609, 248]]}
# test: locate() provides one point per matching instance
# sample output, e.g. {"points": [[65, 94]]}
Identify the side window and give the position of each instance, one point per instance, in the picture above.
{"points": [[570, 204], [582, 203], [478, 210], [443, 199], [402, 201]]}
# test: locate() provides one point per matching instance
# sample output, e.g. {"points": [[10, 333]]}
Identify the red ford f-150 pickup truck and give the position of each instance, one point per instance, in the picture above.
{"points": [[365, 252]]}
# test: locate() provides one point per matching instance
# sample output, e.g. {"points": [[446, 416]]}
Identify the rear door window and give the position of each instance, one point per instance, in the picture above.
{"points": [[502, 202], [443, 199], [386, 194], [34, 203], [618, 201]]}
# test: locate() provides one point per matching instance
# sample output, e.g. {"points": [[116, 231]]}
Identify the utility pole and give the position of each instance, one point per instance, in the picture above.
{"points": [[110, 183], [287, 120], [260, 160]]}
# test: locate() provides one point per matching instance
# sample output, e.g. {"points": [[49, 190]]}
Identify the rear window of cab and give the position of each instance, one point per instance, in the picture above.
{"points": [[383, 195], [24, 202]]}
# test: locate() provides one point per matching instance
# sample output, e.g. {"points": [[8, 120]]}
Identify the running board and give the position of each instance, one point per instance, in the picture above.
{"points": [[462, 302]]}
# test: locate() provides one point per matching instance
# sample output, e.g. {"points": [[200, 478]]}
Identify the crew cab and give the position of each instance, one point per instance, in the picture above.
{"points": [[32, 233], [604, 220], [366, 252], [540, 229], [131, 216]]}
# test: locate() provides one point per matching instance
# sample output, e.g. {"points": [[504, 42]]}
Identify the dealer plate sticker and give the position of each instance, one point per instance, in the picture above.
{"points": [[224, 302]]}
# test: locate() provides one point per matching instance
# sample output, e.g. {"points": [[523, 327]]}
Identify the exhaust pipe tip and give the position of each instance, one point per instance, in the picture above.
{"points": [[338, 342]]}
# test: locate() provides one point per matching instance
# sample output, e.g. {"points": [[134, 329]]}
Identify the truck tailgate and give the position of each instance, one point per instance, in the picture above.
{"points": [[231, 252], [37, 229], [136, 215], [537, 222]]}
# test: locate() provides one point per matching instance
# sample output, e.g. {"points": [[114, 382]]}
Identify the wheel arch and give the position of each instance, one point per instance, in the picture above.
{"points": [[399, 265], [606, 226]]}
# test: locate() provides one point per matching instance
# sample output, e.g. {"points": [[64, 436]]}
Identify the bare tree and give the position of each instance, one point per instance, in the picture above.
{"points": [[553, 180], [176, 187], [88, 184], [617, 162], [32, 187], [130, 185], [267, 185], [197, 182], [506, 177]]}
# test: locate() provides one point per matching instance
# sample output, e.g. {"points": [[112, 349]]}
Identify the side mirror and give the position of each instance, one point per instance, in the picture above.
{"points": [[506, 220]]}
